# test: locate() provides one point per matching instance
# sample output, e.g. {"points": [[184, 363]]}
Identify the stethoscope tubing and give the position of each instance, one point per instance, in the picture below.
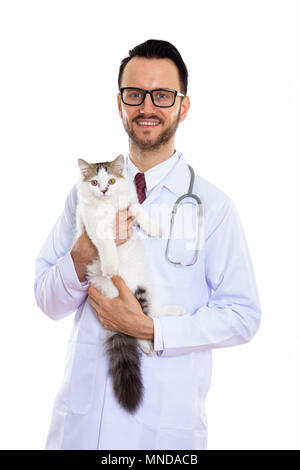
{"points": [[189, 194]]}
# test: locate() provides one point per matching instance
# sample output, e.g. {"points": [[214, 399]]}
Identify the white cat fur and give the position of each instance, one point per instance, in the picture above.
{"points": [[97, 212]]}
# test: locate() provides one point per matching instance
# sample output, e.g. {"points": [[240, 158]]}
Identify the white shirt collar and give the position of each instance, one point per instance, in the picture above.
{"points": [[156, 174]]}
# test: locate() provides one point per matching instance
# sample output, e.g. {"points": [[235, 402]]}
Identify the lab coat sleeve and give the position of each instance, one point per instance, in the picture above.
{"points": [[158, 343], [57, 289], [232, 314]]}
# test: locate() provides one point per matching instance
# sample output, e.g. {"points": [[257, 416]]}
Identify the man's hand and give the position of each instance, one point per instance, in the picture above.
{"points": [[123, 227], [122, 313], [84, 251]]}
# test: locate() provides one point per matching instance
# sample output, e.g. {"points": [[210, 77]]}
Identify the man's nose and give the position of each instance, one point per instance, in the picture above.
{"points": [[147, 106]]}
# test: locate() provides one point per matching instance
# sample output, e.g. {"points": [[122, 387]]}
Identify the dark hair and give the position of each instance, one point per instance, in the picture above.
{"points": [[154, 48]]}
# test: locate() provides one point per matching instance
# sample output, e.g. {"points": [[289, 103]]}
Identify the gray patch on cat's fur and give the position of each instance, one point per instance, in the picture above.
{"points": [[94, 169], [142, 297]]}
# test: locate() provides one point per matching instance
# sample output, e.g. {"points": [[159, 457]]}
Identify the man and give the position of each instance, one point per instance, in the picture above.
{"points": [[218, 291]]}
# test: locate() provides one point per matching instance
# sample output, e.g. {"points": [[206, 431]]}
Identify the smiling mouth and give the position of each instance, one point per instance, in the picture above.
{"points": [[147, 123]]}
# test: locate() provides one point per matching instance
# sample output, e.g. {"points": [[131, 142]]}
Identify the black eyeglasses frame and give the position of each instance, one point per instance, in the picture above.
{"points": [[175, 93]]}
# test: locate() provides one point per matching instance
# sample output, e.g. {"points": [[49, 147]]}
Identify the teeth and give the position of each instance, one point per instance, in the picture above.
{"points": [[143, 123]]}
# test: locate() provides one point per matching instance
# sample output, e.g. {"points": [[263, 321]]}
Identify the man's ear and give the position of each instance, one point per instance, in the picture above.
{"points": [[119, 104], [185, 106]]}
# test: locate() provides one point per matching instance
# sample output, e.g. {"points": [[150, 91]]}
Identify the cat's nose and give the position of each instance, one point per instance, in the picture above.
{"points": [[104, 190]]}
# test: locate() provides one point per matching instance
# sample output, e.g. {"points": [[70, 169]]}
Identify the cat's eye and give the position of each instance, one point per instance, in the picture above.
{"points": [[112, 181], [94, 182]]}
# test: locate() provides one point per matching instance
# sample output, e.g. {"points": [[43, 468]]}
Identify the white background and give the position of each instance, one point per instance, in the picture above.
{"points": [[58, 84]]}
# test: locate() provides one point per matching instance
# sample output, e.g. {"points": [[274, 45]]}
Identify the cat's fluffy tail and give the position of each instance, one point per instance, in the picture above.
{"points": [[125, 369]]}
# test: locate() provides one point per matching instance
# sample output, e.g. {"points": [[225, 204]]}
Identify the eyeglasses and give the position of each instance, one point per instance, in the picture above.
{"points": [[161, 97]]}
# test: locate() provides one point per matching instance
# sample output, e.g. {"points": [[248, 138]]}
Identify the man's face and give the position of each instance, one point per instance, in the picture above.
{"points": [[151, 74]]}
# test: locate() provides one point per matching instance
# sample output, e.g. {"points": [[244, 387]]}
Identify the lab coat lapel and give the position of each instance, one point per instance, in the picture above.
{"points": [[177, 181], [155, 194]]}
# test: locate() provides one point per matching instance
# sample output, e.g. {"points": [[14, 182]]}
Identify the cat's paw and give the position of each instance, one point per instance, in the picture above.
{"points": [[171, 310], [110, 269], [156, 230], [146, 346]]}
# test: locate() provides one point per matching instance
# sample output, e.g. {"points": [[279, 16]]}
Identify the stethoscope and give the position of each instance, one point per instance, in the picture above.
{"points": [[189, 194]]}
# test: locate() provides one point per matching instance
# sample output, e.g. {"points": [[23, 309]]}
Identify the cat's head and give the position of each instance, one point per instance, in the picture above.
{"points": [[102, 179]]}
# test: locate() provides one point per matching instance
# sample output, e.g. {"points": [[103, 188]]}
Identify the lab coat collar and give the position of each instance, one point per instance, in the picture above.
{"points": [[177, 180], [154, 175]]}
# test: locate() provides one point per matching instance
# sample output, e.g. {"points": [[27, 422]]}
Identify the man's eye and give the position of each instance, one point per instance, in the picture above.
{"points": [[94, 182], [136, 94], [111, 181]]}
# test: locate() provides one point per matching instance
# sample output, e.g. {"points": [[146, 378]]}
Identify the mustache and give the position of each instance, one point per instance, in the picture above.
{"points": [[143, 116]]}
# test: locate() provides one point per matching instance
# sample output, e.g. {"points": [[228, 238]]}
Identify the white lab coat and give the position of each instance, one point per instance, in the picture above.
{"points": [[219, 294]]}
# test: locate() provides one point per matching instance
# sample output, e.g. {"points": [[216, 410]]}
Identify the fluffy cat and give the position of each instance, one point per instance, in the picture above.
{"points": [[104, 189]]}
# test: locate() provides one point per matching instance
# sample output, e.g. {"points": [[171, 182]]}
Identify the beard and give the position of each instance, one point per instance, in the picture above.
{"points": [[147, 144]]}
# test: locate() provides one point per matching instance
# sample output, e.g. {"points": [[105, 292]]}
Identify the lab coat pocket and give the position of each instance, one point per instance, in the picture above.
{"points": [[83, 378], [185, 235], [175, 271]]}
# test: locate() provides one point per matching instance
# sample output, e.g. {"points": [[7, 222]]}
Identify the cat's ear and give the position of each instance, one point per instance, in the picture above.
{"points": [[118, 164], [84, 167]]}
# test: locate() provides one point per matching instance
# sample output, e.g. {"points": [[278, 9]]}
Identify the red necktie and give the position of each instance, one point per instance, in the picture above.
{"points": [[140, 184]]}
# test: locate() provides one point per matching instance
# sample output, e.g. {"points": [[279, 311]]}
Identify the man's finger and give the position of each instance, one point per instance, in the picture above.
{"points": [[121, 285], [94, 292], [96, 295], [94, 304]]}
